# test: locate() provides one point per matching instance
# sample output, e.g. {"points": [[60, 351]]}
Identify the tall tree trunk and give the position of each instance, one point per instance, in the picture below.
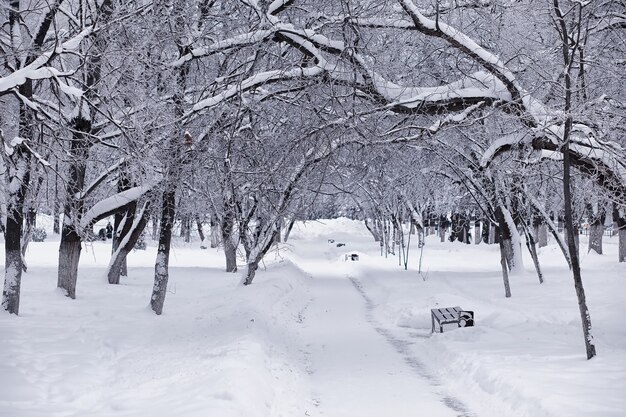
{"points": [[596, 229], [126, 244], [505, 239], [568, 54], [70, 246], [486, 230], [119, 236], [215, 230], [531, 244], [18, 172], [619, 224], [200, 231], [122, 224], [467, 236], [27, 233], [279, 226], [13, 256], [230, 249], [257, 254], [540, 231], [175, 156], [81, 126], [185, 228], [505, 269], [155, 226], [443, 225], [69, 256], [19, 176], [56, 226], [161, 267], [290, 225], [477, 236]]}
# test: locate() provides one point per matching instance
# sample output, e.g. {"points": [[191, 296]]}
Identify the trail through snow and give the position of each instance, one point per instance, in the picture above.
{"points": [[357, 367]]}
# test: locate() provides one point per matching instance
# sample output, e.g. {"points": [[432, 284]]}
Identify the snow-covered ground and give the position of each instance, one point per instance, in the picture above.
{"points": [[315, 335]]}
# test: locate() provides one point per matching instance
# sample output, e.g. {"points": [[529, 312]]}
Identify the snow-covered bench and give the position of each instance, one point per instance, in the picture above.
{"points": [[451, 315]]}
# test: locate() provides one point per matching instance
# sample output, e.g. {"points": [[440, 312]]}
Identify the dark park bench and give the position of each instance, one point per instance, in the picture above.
{"points": [[351, 256], [449, 315]]}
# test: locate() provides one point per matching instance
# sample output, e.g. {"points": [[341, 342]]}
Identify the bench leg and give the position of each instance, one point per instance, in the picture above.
{"points": [[432, 320]]}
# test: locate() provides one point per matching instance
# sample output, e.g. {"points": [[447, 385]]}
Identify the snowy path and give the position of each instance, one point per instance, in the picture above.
{"points": [[358, 369]]}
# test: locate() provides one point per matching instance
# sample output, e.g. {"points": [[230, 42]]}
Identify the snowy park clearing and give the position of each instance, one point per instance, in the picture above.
{"points": [[315, 335]]}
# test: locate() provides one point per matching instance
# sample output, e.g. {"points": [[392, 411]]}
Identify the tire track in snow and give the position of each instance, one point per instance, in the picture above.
{"points": [[402, 347]]}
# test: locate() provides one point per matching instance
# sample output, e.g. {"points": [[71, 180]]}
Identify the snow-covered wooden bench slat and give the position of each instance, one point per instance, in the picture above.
{"points": [[444, 316]]}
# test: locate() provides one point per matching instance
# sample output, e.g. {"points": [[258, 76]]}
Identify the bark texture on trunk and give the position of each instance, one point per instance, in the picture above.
{"points": [[13, 261], [27, 232], [567, 192], [122, 223], [596, 232], [531, 244], [622, 242], [505, 270], [290, 225], [185, 228], [230, 249], [161, 267], [505, 239], [443, 225], [56, 225], [255, 259], [477, 232], [81, 142], [69, 256], [619, 224], [200, 231], [540, 231], [215, 231], [155, 226], [596, 227], [70, 246], [118, 259], [17, 168]]}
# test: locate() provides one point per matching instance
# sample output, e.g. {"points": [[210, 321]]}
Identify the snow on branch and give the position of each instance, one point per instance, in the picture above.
{"points": [[239, 41], [277, 6], [89, 189], [605, 162], [38, 69], [434, 128], [111, 204], [500, 145], [479, 87], [255, 81], [497, 78], [458, 39]]}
